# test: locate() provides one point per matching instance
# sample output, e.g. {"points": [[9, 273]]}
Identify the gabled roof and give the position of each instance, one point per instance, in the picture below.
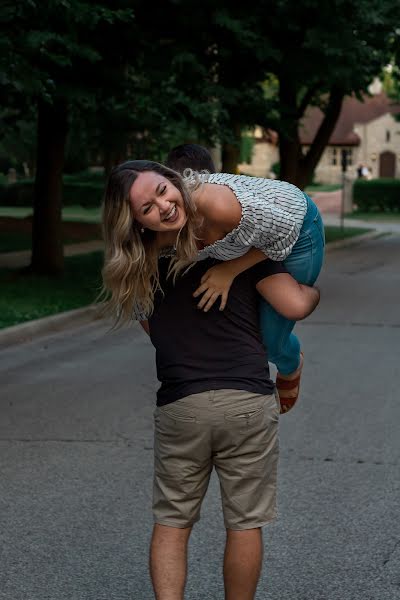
{"points": [[353, 112]]}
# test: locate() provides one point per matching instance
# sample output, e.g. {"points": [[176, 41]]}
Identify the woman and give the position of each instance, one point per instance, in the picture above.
{"points": [[149, 208]]}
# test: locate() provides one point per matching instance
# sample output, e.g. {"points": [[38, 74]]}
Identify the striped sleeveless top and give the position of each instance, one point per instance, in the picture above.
{"points": [[273, 212]]}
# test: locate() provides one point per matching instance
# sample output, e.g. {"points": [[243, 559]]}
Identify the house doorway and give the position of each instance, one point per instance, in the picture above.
{"points": [[387, 164]]}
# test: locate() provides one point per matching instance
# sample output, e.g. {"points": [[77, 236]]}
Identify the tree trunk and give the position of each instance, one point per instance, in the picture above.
{"points": [[230, 153], [310, 161], [290, 156], [47, 243], [108, 161], [295, 167], [289, 142]]}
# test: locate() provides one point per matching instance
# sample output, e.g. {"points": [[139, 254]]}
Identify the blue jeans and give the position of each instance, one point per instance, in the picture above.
{"points": [[304, 264]]}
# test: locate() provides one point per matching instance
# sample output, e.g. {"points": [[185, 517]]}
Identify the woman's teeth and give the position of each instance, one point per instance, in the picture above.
{"points": [[171, 213]]}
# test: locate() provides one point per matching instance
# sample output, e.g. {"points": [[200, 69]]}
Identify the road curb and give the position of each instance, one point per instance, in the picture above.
{"points": [[25, 332], [353, 240]]}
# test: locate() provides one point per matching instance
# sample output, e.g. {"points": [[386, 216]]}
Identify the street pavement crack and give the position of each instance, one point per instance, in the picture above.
{"points": [[391, 552], [67, 441], [352, 461], [352, 324]]}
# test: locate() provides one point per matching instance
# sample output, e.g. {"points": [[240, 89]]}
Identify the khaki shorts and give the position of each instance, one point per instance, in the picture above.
{"points": [[232, 430]]}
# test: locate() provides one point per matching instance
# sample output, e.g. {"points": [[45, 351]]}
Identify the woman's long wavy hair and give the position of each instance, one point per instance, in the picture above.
{"points": [[130, 271]]}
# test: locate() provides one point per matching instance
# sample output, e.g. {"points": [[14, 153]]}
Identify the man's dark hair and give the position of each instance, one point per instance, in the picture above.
{"points": [[190, 156]]}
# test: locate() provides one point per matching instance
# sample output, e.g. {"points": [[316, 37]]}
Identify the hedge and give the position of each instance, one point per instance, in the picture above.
{"points": [[377, 195], [84, 193]]}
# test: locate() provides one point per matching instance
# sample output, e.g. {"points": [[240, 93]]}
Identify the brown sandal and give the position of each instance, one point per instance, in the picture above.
{"points": [[288, 390]]}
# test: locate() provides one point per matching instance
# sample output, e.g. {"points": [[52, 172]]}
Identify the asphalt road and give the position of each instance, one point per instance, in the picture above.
{"points": [[76, 457]]}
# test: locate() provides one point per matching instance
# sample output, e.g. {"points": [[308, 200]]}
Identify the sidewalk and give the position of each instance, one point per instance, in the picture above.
{"points": [[16, 260], [329, 205], [328, 202]]}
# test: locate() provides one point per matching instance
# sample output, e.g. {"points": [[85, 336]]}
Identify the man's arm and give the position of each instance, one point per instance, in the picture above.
{"points": [[292, 300], [145, 325]]}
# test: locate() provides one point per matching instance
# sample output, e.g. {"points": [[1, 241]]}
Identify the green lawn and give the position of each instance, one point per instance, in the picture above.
{"points": [[375, 216], [333, 233], [26, 297], [323, 187]]}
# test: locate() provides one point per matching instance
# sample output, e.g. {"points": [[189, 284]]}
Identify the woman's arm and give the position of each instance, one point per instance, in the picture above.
{"points": [[292, 300], [222, 213], [145, 325]]}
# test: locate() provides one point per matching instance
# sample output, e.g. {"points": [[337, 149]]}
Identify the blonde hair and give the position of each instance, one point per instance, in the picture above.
{"points": [[130, 271]]}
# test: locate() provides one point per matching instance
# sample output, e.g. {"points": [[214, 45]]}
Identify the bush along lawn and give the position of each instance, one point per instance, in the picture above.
{"points": [[25, 297], [377, 195]]}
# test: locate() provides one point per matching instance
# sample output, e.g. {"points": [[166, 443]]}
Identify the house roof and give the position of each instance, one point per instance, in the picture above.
{"points": [[353, 112]]}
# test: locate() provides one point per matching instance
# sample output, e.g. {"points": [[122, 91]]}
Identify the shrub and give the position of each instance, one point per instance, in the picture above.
{"points": [[377, 195], [87, 194]]}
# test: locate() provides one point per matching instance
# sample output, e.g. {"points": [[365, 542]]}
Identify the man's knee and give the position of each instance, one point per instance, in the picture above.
{"points": [[170, 533]]}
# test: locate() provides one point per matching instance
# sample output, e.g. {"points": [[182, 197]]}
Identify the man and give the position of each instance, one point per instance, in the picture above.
{"points": [[190, 156], [216, 407]]}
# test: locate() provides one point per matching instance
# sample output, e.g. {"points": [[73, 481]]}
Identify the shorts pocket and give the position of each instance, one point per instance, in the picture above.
{"points": [[175, 413], [245, 416]]}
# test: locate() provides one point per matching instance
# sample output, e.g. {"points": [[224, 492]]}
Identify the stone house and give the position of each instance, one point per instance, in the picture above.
{"points": [[368, 131]]}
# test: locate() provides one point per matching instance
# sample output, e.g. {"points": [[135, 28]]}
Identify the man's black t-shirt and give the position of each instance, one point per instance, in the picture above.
{"points": [[198, 351]]}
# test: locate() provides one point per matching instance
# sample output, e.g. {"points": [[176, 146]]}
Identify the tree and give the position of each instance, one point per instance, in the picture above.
{"points": [[316, 51], [329, 49], [53, 59]]}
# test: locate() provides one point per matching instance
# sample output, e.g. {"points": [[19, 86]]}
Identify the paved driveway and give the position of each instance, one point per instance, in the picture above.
{"points": [[76, 457]]}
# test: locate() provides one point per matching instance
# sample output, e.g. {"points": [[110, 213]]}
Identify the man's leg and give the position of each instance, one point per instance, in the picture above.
{"points": [[246, 459], [242, 563], [168, 561], [182, 468]]}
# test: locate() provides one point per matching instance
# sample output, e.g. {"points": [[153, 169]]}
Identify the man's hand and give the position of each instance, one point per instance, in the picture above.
{"points": [[215, 282]]}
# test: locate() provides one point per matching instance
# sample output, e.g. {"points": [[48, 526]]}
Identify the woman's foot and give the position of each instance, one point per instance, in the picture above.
{"points": [[288, 387]]}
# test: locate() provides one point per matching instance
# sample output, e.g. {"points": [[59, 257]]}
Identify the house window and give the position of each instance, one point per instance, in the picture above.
{"points": [[337, 156], [349, 156], [387, 135]]}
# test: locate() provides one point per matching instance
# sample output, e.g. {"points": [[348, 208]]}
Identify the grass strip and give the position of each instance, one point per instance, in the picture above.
{"points": [[323, 187], [378, 217], [334, 233], [26, 297]]}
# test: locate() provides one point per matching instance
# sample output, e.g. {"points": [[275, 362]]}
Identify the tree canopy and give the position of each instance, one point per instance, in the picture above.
{"points": [[125, 79]]}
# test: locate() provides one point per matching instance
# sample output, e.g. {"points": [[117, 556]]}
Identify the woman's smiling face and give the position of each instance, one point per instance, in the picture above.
{"points": [[157, 204]]}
